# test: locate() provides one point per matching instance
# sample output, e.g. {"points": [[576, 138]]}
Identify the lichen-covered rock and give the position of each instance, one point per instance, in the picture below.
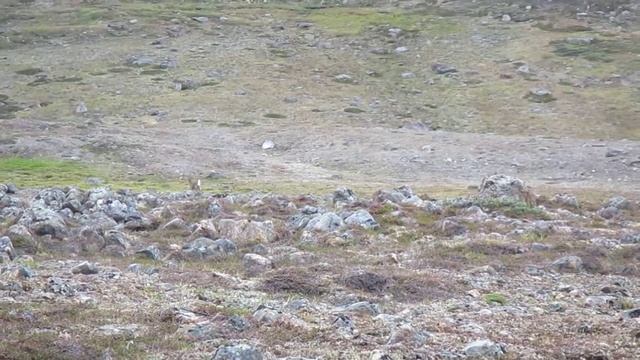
{"points": [[618, 202], [150, 252], [505, 187], [566, 200], [344, 196], [402, 195], [6, 247], [21, 238], [363, 219], [255, 264], [568, 264], [326, 222], [205, 248], [90, 240], [237, 352], [245, 231], [85, 268], [43, 221], [485, 349], [52, 198]]}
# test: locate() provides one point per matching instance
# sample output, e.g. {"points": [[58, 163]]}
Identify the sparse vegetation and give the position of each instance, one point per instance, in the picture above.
{"points": [[495, 299], [176, 166]]}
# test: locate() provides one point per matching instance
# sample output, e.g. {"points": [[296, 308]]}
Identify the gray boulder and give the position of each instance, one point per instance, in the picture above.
{"points": [[608, 212], [344, 196], [52, 198], [237, 352], [205, 248], [6, 247], [485, 349], [43, 221], [504, 187], [120, 211], [255, 264], [442, 69], [150, 252], [117, 238], [363, 219], [90, 240], [540, 95], [74, 200], [402, 195], [566, 200], [85, 268], [97, 221], [326, 222], [568, 264], [21, 237], [618, 202]]}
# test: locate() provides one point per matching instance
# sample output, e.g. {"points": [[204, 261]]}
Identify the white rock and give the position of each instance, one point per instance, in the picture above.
{"points": [[268, 145]]}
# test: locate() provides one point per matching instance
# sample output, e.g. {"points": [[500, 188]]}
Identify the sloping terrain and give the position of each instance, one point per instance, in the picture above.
{"points": [[120, 275], [168, 176]]}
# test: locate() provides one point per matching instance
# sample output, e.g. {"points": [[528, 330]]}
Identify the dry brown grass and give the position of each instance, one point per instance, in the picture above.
{"points": [[294, 280]]}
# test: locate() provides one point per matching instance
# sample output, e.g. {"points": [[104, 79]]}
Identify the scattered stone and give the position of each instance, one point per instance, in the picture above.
{"points": [[608, 212], [150, 252], [449, 227], [21, 238], [304, 25], [25, 272], [614, 153], [205, 248], [59, 286], [362, 307], [326, 222], [255, 264], [342, 196], [618, 202], [540, 95], [504, 187], [568, 264], [175, 224], [583, 40], [363, 219], [81, 108], [85, 268], [484, 349], [200, 19], [237, 352], [129, 331], [566, 200], [6, 247], [632, 314], [442, 69], [344, 79], [405, 334], [43, 221]]}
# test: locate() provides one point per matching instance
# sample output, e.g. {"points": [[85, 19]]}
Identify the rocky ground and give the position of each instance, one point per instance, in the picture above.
{"points": [[378, 91], [502, 273], [111, 110]]}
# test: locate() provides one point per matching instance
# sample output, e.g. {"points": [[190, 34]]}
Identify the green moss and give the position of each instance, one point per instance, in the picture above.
{"points": [[353, 21], [512, 208], [495, 298], [26, 172], [596, 50]]}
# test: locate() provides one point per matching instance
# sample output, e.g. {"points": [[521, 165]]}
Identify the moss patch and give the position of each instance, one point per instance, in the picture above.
{"points": [[353, 21]]}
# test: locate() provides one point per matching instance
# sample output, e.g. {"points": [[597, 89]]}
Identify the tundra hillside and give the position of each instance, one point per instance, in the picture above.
{"points": [[319, 179]]}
